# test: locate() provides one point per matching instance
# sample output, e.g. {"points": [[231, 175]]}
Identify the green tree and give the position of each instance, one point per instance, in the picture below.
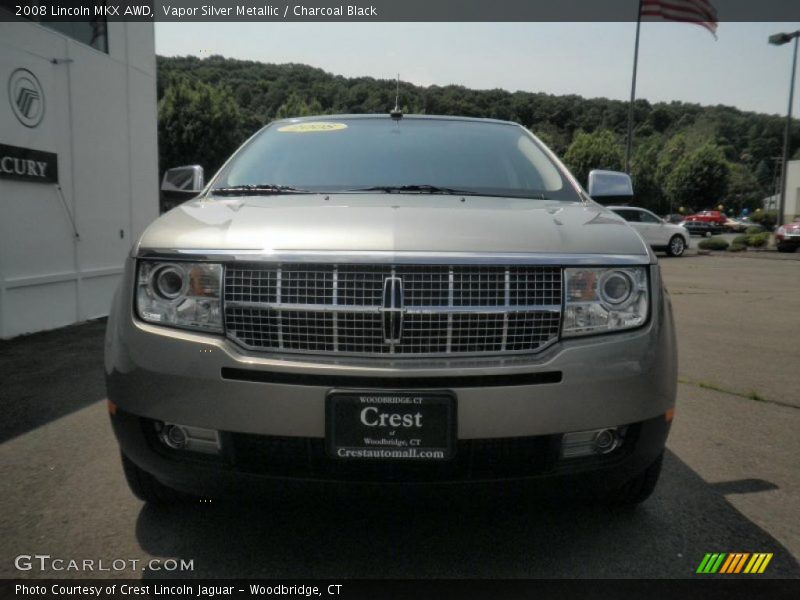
{"points": [[763, 174], [647, 189], [263, 90], [197, 124], [553, 137], [669, 156], [295, 106], [699, 179], [744, 190], [598, 150]]}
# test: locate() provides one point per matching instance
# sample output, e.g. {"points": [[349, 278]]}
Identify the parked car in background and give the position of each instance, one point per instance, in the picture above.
{"points": [[392, 300], [735, 226], [787, 237], [709, 216], [659, 234], [752, 224], [704, 228]]}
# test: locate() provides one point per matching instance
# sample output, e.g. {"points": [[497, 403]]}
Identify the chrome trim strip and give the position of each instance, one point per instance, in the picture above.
{"points": [[278, 284], [382, 257], [335, 300], [409, 310], [507, 306], [392, 356], [482, 310], [305, 307], [450, 296]]}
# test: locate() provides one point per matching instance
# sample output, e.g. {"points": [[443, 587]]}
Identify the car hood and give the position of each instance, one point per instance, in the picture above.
{"points": [[392, 223]]}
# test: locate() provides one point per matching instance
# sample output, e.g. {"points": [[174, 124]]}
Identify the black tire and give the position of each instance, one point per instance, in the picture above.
{"points": [[676, 246], [638, 489], [787, 248], [149, 489]]}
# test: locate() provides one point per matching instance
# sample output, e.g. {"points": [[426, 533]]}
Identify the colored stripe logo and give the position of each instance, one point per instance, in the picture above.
{"points": [[734, 563]]}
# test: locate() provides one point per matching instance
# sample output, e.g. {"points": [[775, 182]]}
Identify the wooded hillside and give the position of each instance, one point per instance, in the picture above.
{"points": [[684, 154]]}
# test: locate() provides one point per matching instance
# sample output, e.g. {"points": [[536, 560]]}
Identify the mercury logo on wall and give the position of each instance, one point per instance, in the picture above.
{"points": [[26, 97]]}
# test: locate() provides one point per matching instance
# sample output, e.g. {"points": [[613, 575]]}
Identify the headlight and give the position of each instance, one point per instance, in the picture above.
{"points": [[600, 300], [180, 294]]}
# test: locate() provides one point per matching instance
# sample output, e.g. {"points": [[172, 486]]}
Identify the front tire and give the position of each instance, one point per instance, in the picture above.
{"points": [[149, 489], [677, 246]]}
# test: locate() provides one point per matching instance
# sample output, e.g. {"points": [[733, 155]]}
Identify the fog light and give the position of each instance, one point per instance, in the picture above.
{"points": [[605, 441], [590, 443], [173, 436], [184, 437]]}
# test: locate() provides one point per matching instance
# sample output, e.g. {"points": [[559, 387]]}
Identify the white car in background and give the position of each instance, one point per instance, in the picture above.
{"points": [[660, 235]]}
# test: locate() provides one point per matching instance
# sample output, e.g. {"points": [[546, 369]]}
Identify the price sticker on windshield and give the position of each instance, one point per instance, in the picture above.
{"points": [[312, 127]]}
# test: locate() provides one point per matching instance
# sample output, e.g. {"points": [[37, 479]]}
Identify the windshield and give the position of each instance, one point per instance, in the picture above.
{"points": [[418, 155]]}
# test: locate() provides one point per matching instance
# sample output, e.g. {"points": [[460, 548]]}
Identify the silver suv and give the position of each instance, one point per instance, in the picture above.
{"points": [[391, 300]]}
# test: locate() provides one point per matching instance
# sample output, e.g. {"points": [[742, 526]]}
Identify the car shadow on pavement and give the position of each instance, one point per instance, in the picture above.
{"points": [[45, 376], [313, 537]]}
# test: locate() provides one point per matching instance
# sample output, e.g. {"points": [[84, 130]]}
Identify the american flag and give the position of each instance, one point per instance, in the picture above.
{"points": [[700, 12]]}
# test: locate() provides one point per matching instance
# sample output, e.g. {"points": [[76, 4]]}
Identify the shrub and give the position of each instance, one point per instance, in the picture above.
{"points": [[736, 247], [740, 240], [767, 218], [758, 240], [713, 243], [753, 229]]}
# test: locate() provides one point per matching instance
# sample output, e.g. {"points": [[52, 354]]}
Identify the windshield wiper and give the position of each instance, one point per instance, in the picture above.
{"points": [[260, 189], [423, 188]]}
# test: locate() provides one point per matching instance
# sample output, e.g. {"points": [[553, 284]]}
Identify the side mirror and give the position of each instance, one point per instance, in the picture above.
{"points": [[183, 181], [610, 185]]}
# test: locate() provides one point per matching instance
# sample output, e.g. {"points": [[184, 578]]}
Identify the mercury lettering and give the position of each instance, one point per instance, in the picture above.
{"points": [[20, 166]]}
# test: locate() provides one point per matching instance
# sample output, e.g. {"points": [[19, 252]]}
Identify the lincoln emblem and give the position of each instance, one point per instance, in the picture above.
{"points": [[392, 310]]}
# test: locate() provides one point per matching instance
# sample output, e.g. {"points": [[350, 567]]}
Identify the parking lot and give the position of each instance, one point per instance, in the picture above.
{"points": [[730, 483]]}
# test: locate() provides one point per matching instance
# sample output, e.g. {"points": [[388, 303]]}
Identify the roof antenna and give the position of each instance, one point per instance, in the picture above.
{"points": [[396, 112]]}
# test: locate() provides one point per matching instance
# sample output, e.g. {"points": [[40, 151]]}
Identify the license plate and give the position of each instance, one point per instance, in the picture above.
{"points": [[391, 425]]}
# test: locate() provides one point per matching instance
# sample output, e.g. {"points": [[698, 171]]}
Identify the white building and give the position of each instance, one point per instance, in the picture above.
{"points": [[78, 166], [792, 208]]}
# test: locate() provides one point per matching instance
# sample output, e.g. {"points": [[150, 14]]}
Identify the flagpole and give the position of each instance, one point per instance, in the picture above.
{"points": [[629, 139]]}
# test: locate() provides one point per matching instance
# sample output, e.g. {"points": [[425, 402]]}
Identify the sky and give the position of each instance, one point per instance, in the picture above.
{"points": [[677, 61]]}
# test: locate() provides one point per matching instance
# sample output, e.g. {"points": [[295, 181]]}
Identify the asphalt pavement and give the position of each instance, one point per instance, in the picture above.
{"points": [[730, 482]]}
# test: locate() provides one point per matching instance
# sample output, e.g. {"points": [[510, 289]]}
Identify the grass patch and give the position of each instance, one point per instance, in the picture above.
{"points": [[755, 396]]}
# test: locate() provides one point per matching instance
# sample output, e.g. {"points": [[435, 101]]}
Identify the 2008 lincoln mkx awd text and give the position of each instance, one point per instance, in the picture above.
{"points": [[387, 300]]}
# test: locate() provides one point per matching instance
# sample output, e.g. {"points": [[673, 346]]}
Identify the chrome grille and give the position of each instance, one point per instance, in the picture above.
{"points": [[346, 309]]}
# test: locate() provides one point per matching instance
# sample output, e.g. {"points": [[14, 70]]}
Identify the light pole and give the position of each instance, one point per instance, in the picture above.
{"points": [[779, 39]]}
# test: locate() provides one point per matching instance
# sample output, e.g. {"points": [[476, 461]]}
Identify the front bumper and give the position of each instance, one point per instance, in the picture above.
{"points": [[270, 463], [207, 381], [789, 241]]}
